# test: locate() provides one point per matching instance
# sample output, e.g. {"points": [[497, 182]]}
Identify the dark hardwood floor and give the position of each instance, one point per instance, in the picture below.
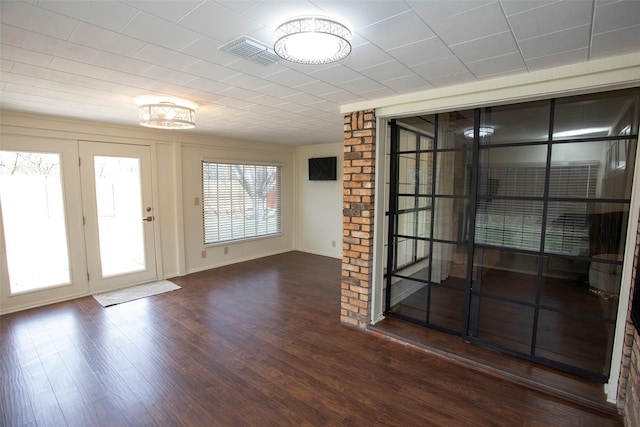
{"points": [[253, 344]]}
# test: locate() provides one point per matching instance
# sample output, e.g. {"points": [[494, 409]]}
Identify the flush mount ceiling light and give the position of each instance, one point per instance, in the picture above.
{"points": [[482, 132], [312, 40], [166, 114]]}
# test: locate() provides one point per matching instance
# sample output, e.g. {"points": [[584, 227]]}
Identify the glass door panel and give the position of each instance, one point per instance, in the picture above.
{"points": [[119, 206], [34, 220], [41, 231]]}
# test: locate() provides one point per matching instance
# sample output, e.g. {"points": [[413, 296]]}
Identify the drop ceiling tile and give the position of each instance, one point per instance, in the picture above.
{"points": [[159, 31], [558, 59], [302, 98], [167, 75], [389, 70], [209, 71], [464, 27], [5, 66], [486, 47], [273, 13], [378, 93], [113, 76], [436, 10], [111, 15], [421, 51], [505, 64], [278, 91], [165, 57], [453, 79], [336, 74], [353, 14], [616, 15], [246, 81], [551, 18], [121, 63], [365, 56], [514, 7], [289, 77], [618, 42], [99, 38], [549, 44], [361, 85], [439, 68], [18, 79], [387, 34], [239, 93], [171, 10], [26, 16], [57, 47], [11, 35], [215, 20], [317, 88], [413, 83], [238, 6], [266, 100], [204, 88], [17, 54], [208, 49]]}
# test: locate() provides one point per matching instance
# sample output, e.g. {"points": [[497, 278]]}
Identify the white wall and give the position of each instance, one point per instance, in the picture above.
{"points": [[319, 205]]}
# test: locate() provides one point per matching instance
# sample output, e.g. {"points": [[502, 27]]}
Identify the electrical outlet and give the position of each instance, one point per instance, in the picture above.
{"points": [[333, 243], [196, 201], [204, 253], [226, 250]]}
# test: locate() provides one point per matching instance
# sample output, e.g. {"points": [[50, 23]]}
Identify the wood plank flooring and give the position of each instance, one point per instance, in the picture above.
{"points": [[253, 344]]}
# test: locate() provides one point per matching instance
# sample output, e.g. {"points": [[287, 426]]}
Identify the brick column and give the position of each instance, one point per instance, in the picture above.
{"points": [[357, 220], [629, 383]]}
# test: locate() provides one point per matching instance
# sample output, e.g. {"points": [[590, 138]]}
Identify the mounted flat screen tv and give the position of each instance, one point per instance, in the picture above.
{"points": [[322, 169]]}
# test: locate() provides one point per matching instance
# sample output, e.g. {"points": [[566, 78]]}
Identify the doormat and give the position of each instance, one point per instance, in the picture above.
{"points": [[119, 296]]}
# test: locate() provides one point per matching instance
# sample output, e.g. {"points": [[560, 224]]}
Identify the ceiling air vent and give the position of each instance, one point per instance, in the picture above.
{"points": [[251, 49]]}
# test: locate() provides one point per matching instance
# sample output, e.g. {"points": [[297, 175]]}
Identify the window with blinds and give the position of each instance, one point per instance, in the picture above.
{"points": [[240, 201]]}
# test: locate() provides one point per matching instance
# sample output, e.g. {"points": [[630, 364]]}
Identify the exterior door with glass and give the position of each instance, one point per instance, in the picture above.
{"points": [[41, 234], [118, 214]]}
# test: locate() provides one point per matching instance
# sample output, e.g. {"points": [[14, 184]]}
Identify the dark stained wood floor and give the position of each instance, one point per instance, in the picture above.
{"points": [[253, 344]]}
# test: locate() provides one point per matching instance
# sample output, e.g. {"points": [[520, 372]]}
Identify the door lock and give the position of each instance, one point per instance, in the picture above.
{"points": [[148, 218]]}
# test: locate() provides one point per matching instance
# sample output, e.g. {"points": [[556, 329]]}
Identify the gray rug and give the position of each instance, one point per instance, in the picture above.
{"points": [[135, 292]]}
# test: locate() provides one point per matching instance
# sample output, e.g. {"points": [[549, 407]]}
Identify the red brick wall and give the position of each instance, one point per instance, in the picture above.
{"points": [[629, 385], [357, 219]]}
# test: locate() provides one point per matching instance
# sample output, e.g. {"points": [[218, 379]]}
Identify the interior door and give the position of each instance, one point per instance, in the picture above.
{"points": [[41, 237], [118, 214]]}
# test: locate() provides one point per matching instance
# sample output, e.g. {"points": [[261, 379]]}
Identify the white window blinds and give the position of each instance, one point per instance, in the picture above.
{"points": [[240, 201]]}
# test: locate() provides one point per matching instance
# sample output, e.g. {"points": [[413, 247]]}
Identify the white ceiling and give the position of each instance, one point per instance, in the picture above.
{"points": [[90, 59]]}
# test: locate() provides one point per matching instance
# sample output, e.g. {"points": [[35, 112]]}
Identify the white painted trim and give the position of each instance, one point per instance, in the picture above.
{"points": [[594, 76], [377, 277], [611, 388]]}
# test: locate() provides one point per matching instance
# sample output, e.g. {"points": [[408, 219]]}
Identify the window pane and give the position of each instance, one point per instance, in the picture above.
{"points": [[518, 123], [119, 206], [33, 216], [606, 114], [240, 201]]}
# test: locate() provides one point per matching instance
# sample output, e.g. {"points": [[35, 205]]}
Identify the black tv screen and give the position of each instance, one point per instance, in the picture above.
{"points": [[322, 169]]}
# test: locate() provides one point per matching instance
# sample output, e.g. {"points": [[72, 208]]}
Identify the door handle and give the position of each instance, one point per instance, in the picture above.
{"points": [[148, 218]]}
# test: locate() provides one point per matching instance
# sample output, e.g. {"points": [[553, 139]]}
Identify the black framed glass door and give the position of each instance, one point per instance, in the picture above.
{"points": [[506, 225]]}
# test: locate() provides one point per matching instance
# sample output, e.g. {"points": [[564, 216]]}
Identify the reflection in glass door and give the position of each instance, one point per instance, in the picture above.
{"points": [[119, 215]]}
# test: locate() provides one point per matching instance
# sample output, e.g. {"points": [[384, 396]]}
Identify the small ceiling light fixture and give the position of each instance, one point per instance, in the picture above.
{"points": [[166, 113], [482, 132], [312, 40]]}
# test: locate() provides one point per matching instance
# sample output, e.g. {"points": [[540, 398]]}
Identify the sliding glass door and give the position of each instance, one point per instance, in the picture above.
{"points": [[524, 214]]}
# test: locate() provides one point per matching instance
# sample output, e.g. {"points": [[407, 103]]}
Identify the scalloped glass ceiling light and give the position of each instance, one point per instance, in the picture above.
{"points": [[167, 115], [312, 40]]}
